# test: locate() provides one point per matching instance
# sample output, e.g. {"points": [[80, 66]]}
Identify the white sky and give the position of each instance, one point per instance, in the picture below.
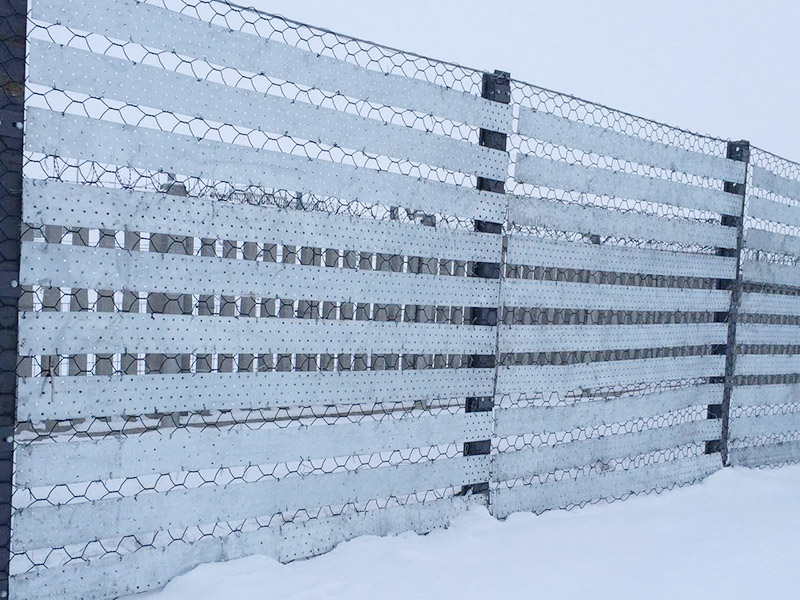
{"points": [[726, 68]]}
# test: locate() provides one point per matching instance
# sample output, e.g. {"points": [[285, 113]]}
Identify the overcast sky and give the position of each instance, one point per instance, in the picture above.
{"points": [[727, 68]]}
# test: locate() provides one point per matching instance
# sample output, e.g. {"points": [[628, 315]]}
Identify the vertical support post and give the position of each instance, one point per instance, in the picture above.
{"points": [[12, 80], [738, 151], [497, 88]]}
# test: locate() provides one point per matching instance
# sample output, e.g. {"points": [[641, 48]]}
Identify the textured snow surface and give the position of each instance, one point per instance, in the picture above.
{"points": [[736, 535]]}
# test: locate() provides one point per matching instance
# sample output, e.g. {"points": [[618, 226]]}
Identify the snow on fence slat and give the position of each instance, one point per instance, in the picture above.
{"points": [[59, 265], [179, 508], [592, 180], [72, 69], [59, 203], [87, 332], [595, 139], [157, 27], [73, 136]]}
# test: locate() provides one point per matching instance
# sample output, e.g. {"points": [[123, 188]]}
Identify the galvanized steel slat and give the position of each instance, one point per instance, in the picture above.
{"points": [[567, 294], [770, 210], [585, 414], [538, 212], [595, 139], [530, 250], [594, 180], [65, 68], [54, 526], [72, 136], [765, 395], [150, 568], [766, 334], [561, 338], [586, 376], [69, 204], [41, 398], [757, 271], [768, 454], [770, 304], [771, 241], [40, 464], [569, 492], [546, 459], [769, 181], [157, 27], [767, 364], [107, 333], [59, 265], [746, 427]]}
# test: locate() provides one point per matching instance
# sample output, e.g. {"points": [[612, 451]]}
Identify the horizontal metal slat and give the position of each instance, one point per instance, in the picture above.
{"points": [[770, 210], [65, 68], [767, 364], [72, 136], [206, 448], [757, 271], [769, 181], [770, 335], [69, 204], [54, 526], [588, 376], [769, 304], [593, 180], [566, 294], [546, 459], [595, 139], [59, 265], [561, 338], [150, 568], [106, 333], [569, 492], [770, 241], [157, 27], [765, 395], [529, 250], [766, 455], [746, 427], [41, 398], [530, 419], [538, 212]]}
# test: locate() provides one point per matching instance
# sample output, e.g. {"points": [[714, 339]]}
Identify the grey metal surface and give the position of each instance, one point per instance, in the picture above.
{"points": [[519, 421], [77, 70], [561, 338], [60, 265], [41, 464], [765, 334], [88, 333], [782, 186], [567, 294], [546, 459], [528, 250], [593, 180], [765, 425], [767, 364], [586, 376], [765, 395], [42, 398], [770, 273], [108, 142], [771, 210], [58, 203], [770, 241], [152, 568], [770, 304], [113, 518], [562, 494], [157, 27], [766, 455], [538, 212], [561, 131]]}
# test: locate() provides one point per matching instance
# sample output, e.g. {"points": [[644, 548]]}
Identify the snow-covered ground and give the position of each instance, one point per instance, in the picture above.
{"points": [[736, 535]]}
